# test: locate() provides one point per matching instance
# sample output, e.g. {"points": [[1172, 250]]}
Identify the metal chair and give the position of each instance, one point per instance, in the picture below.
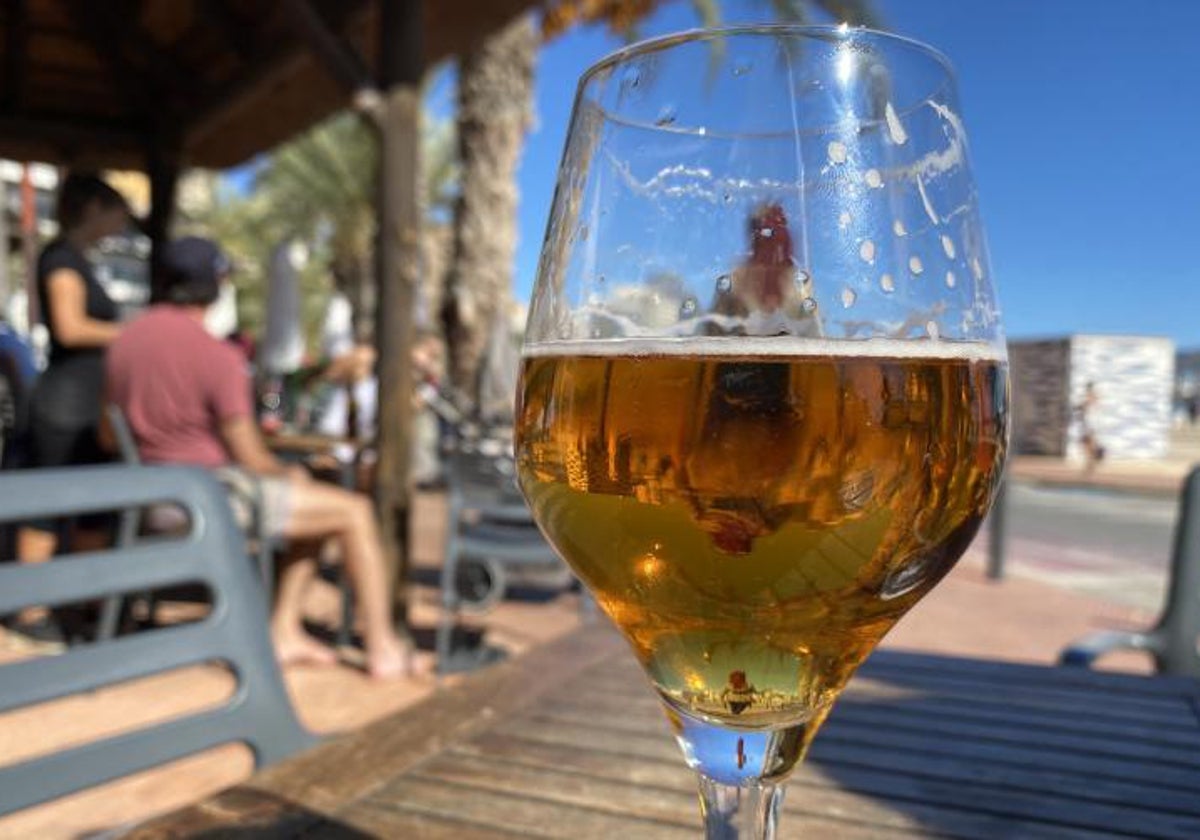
{"points": [[211, 553], [1174, 638], [491, 538]]}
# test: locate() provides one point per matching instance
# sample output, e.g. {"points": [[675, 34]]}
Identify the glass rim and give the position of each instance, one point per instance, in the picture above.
{"points": [[825, 32]]}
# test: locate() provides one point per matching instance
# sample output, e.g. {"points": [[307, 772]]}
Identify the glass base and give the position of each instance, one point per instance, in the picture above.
{"points": [[738, 757]]}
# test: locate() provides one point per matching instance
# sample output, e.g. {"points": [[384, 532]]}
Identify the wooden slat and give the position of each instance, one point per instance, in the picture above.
{"points": [[1170, 709], [951, 792], [804, 807], [850, 720], [856, 741], [386, 749], [926, 707], [986, 671], [525, 815], [388, 821]]}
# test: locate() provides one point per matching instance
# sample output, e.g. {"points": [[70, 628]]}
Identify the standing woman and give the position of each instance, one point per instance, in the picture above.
{"points": [[82, 321]]}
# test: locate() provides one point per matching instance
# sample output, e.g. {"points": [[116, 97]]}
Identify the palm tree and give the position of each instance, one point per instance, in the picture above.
{"points": [[320, 189], [494, 106]]}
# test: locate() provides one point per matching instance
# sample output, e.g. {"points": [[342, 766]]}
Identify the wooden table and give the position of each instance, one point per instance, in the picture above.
{"points": [[568, 741]]}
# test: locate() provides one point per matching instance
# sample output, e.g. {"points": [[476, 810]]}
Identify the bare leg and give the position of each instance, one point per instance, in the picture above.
{"points": [[35, 546], [322, 510], [294, 646]]}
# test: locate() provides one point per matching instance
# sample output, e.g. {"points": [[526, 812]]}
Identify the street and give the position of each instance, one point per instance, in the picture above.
{"points": [[1112, 546]]}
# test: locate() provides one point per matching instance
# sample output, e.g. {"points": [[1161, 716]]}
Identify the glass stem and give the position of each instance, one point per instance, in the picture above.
{"points": [[739, 812]]}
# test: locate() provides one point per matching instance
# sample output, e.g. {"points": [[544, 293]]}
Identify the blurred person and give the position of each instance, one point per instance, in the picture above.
{"points": [[1085, 412], [186, 396], [769, 282], [81, 319]]}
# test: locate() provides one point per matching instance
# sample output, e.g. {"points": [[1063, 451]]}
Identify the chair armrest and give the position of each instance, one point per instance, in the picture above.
{"points": [[1083, 653]]}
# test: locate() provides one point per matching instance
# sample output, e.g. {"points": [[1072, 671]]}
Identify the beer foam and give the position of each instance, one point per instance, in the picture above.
{"points": [[781, 345]]}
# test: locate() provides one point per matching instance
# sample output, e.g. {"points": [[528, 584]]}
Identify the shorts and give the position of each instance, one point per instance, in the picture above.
{"points": [[270, 497]]}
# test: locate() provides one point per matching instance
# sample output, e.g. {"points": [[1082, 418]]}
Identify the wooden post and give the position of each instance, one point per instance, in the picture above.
{"points": [[398, 119], [162, 167]]}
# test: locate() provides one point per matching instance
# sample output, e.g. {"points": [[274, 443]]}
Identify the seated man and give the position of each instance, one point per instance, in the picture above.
{"points": [[187, 398]]}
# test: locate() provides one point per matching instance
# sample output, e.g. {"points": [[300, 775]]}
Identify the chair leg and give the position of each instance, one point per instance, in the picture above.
{"points": [[110, 617], [448, 614], [345, 635]]}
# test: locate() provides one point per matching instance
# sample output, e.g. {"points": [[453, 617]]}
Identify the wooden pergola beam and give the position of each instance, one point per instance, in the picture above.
{"points": [[219, 15], [69, 133], [16, 43], [341, 61]]}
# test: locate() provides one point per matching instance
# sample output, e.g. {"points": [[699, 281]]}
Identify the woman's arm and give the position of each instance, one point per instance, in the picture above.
{"points": [[69, 320]]}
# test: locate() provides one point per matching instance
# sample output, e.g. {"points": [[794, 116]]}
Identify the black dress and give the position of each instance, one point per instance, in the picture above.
{"points": [[65, 410]]}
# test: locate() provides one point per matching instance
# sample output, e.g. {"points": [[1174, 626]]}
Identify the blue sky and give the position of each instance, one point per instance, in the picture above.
{"points": [[1084, 120]]}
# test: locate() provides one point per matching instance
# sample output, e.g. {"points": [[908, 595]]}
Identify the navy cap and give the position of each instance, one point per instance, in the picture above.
{"points": [[188, 272], [193, 259]]}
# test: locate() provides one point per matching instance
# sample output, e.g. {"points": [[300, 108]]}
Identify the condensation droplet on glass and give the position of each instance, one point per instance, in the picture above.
{"points": [[727, 198], [742, 67], [837, 151], [632, 77], [724, 284], [808, 305], [689, 306], [802, 276], [948, 246], [915, 265], [766, 233], [899, 229], [887, 283], [932, 328], [666, 115], [976, 268], [583, 233], [950, 279], [844, 219], [895, 127], [848, 297], [867, 251], [873, 179], [600, 280]]}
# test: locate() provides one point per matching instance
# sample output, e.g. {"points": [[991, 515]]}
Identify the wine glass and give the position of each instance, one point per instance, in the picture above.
{"points": [[763, 402]]}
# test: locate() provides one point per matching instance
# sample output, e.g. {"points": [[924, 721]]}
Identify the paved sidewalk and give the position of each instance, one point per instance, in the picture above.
{"points": [[1161, 477]]}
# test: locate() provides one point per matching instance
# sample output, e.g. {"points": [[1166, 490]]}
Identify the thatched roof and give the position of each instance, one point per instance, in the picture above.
{"points": [[96, 83]]}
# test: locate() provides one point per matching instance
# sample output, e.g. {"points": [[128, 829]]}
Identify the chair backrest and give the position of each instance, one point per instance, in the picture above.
{"points": [[1178, 630], [126, 445], [234, 632]]}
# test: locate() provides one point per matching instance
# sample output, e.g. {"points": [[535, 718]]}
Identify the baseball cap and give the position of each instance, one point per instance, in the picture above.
{"points": [[195, 258]]}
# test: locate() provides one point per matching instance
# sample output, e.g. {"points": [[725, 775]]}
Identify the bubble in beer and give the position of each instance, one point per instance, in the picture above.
{"points": [[837, 151], [915, 265], [848, 297], [887, 283], [950, 279], [873, 179], [899, 229], [867, 251]]}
